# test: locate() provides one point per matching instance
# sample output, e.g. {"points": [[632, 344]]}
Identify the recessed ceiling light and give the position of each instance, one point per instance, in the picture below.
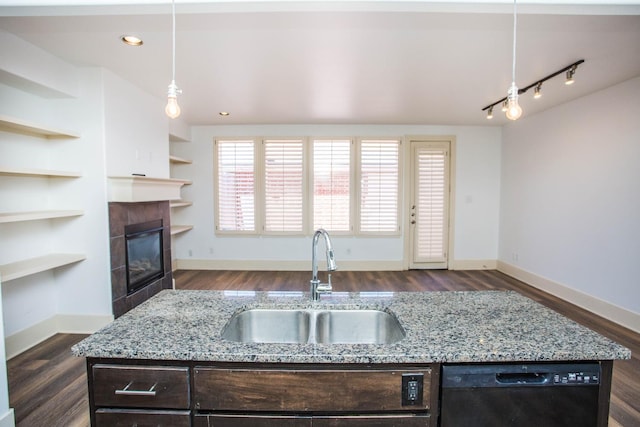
{"points": [[131, 40], [224, 113]]}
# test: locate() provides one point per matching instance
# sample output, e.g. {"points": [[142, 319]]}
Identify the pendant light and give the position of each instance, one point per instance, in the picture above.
{"points": [[173, 109], [514, 111]]}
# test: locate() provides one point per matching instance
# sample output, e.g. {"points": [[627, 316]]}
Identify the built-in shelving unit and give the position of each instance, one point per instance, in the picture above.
{"points": [[176, 164], [27, 267], [33, 265]]}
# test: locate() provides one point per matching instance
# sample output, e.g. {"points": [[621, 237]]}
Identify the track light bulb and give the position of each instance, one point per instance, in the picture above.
{"points": [[504, 106], [490, 113], [514, 111]]}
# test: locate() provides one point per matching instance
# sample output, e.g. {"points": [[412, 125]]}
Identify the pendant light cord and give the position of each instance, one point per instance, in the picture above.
{"points": [[173, 65], [515, 21]]}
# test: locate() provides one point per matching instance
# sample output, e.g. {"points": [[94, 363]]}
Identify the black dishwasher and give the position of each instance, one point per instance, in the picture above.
{"points": [[522, 395]]}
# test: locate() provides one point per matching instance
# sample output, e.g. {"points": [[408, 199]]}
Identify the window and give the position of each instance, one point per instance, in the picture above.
{"points": [[331, 184], [283, 186], [294, 185], [379, 186], [236, 185]]}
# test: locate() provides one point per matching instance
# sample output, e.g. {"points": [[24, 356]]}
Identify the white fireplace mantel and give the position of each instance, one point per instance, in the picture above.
{"points": [[143, 188]]}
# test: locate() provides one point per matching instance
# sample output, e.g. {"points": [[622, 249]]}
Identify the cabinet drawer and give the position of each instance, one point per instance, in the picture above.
{"points": [[228, 420], [305, 390], [373, 421], [140, 418], [141, 386]]}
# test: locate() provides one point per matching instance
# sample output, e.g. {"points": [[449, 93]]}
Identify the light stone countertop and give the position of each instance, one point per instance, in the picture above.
{"points": [[447, 327]]}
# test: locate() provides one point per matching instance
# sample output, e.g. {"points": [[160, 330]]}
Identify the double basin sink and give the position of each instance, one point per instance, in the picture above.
{"points": [[313, 326]]}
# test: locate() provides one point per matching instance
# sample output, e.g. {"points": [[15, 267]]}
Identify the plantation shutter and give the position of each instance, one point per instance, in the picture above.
{"points": [[379, 179], [284, 185], [432, 204], [236, 186], [331, 184]]}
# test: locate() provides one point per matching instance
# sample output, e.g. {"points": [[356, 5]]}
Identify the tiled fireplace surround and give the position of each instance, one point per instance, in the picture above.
{"points": [[120, 215]]}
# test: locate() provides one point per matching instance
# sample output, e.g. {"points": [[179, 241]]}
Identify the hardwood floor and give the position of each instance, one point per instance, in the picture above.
{"points": [[47, 385]]}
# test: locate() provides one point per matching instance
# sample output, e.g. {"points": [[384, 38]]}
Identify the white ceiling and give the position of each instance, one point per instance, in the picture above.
{"points": [[359, 62]]}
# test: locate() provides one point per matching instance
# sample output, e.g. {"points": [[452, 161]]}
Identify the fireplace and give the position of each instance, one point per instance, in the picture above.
{"points": [[143, 253], [140, 240]]}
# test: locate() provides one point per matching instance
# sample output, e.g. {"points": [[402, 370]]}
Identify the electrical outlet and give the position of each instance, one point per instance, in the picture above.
{"points": [[412, 385]]}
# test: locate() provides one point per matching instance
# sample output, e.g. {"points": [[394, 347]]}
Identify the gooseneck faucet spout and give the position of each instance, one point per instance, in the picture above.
{"points": [[318, 287]]}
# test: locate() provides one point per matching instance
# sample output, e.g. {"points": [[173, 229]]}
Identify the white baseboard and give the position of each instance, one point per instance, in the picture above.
{"points": [[619, 315], [261, 265], [8, 419], [60, 323], [474, 264]]}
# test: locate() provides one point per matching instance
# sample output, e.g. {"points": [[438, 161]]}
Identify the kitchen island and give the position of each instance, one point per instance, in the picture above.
{"points": [[176, 336]]}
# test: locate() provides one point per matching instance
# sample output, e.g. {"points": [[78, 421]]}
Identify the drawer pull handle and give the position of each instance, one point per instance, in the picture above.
{"points": [[125, 391]]}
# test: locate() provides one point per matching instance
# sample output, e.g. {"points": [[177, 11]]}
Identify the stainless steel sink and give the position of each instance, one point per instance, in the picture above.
{"points": [[268, 326], [313, 327], [357, 327]]}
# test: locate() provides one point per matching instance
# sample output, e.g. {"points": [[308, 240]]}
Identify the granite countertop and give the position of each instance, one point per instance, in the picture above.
{"points": [[485, 326]]}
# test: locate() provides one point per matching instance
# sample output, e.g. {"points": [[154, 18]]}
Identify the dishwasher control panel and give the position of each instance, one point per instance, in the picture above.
{"points": [[576, 377]]}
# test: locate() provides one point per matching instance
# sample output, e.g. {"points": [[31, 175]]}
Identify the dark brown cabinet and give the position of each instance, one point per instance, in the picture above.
{"points": [[177, 394], [306, 390]]}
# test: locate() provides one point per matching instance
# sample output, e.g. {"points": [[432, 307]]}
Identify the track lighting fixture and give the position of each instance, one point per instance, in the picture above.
{"points": [[570, 72], [490, 113], [173, 109]]}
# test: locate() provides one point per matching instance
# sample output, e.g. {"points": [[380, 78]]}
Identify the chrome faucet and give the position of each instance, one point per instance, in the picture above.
{"points": [[318, 287]]}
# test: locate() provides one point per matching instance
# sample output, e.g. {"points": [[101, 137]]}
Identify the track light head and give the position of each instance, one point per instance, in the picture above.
{"points": [[538, 91], [570, 72], [490, 113]]}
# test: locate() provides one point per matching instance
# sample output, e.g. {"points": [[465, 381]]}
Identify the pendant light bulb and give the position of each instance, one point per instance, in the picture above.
{"points": [[514, 111], [172, 109]]}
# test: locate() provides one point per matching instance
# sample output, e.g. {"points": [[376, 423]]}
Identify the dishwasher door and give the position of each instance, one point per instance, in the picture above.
{"points": [[522, 395]]}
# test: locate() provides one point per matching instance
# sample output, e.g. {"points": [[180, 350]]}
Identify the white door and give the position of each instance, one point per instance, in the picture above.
{"points": [[429, 205]]}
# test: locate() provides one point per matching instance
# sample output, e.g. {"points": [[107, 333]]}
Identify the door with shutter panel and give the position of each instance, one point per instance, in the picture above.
{"points": [[429, 206]]}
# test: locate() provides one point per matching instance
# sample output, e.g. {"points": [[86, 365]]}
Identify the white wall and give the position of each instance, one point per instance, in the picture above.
{"points": [[571, 198], [476, 211], [136, 130]]}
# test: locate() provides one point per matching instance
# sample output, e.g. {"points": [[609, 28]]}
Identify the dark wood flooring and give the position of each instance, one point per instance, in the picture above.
{"points": [[47, 385]]}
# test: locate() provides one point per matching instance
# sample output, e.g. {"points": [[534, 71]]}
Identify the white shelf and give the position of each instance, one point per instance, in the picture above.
{"points": [[13, 124], [37, 215], [180, 204], [16, 270], [38, 172], [177, 229], [179, 160]]}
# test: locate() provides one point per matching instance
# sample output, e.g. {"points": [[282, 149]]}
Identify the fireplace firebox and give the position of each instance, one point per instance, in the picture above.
{"points": [[144, 255]]}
